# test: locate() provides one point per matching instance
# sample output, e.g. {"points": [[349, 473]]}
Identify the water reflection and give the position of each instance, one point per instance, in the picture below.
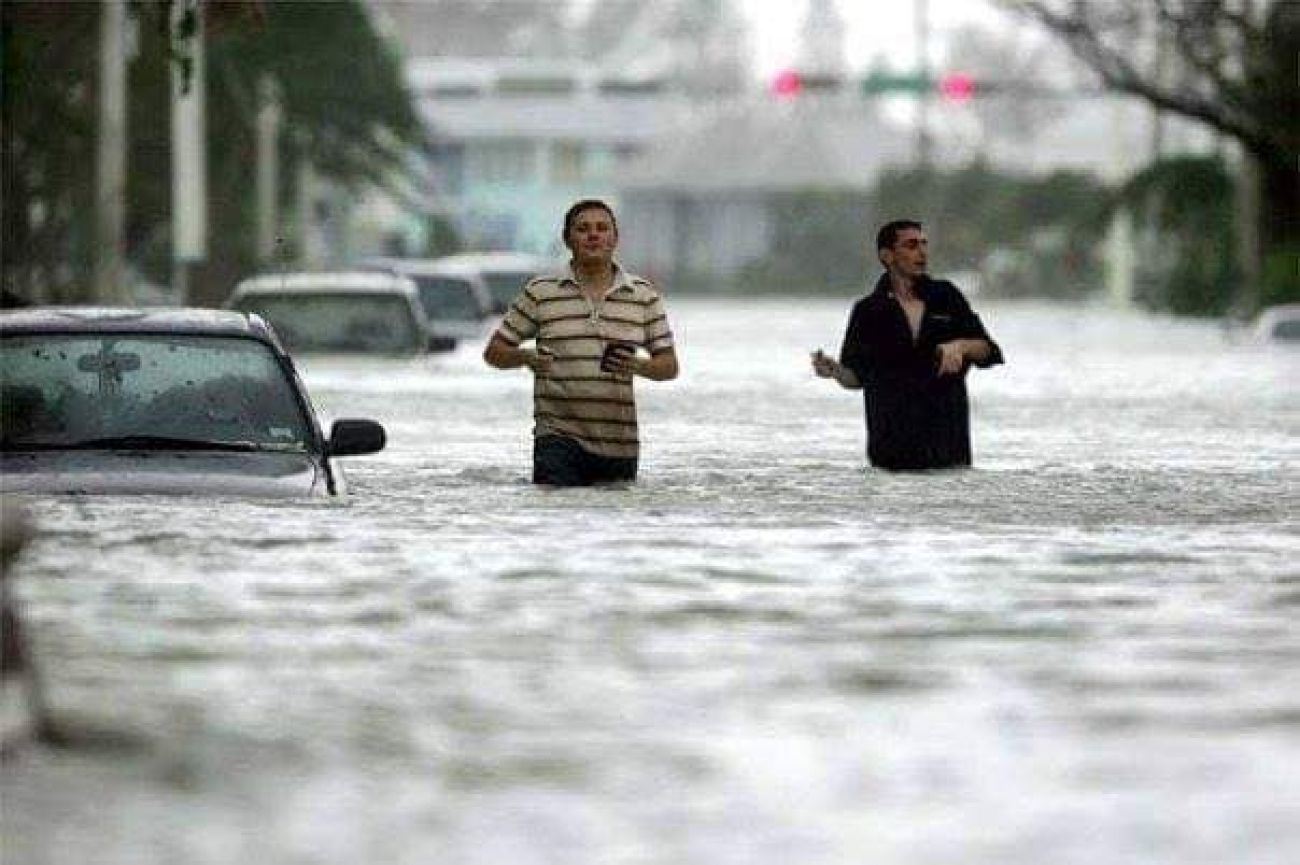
{"points": [[759, 652]]}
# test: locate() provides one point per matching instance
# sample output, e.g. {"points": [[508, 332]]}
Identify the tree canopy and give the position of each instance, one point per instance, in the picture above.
{"points": [[1229, 64], [342, 93]]}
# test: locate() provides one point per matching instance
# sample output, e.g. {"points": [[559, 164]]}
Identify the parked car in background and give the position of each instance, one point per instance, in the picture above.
{"points": [[342, 312], [456, 298], [505, 273], [1278, 324], [165, 401]]}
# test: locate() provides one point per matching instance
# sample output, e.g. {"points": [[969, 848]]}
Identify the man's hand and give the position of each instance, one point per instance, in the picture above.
{"points": [[825, 367], [953, 357], [539, 360], [623, 361], [828, 367]]}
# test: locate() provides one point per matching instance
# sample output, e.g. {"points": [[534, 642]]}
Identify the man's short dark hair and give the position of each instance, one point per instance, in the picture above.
{"points": [[586, 204], [888, 234]]}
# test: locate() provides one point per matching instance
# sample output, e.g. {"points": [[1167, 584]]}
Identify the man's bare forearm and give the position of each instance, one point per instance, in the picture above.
{"points": [[975, 350], [847, 378], [658, 367], [503, 355]]}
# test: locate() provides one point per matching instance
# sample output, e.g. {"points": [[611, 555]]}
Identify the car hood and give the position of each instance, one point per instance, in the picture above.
{"points": [[138, 472]]}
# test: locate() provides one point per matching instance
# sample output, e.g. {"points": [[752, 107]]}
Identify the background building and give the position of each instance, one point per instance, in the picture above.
{"points": [[516, 141]]}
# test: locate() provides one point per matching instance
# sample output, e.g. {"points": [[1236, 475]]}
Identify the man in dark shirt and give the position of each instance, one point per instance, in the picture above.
{"points": [[908, 346]]}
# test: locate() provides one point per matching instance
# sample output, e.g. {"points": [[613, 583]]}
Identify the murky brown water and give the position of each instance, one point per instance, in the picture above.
{"points": [[1082, 651]]}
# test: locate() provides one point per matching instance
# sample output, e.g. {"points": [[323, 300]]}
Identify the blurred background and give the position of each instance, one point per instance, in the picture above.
{"points": [[157, 151], [1082, 651]]}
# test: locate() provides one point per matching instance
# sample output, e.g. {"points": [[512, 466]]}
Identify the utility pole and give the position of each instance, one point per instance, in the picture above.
{"points": [[269, 116], [306, 204], [110, 160], [1250, 243], [189, 157], [924, 154]]}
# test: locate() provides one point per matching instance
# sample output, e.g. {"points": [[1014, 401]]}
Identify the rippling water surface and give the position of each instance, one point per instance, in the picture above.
{"points": [[1084, 650]]}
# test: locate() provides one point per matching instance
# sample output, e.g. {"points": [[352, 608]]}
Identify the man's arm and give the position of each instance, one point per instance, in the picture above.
{"points": [[827, 367], [954, 355], [503, 355], [660, 366]]}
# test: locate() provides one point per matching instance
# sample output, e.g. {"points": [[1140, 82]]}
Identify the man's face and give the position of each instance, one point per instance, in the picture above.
{"points": [[592, 237], [908, 256]]}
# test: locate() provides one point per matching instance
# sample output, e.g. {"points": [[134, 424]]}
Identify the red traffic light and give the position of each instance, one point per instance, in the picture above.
{"points": [[787, 84], [957, 86]]}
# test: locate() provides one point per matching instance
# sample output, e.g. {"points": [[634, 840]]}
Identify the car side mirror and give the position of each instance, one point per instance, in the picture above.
{"points": [[351, 437]]}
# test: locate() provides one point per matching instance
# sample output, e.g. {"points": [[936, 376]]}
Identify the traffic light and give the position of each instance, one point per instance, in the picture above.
{"points": [[957, 87], [787, 84], [954, 87], [790, 83], [880, 83]]}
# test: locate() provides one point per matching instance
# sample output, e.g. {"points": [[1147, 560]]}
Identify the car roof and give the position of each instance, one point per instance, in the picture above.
{"points": [[326, 282], [502, 261], [469, 264], [1272, 318], [101, 319], [424, 267], [1280, 312]]}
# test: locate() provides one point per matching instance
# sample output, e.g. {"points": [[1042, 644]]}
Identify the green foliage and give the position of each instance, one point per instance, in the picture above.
{"points": [[818, 245], [341, 86], [48, 128], [1044, 230], [1190, 264], [1281, 277], [344, 101], [443, 239]]}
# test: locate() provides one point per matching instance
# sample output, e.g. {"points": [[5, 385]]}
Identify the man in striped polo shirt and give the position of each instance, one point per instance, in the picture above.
{"points": [[594, 328]]}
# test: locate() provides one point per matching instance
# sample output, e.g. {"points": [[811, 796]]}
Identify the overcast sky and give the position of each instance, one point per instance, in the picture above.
{"points": [[873, 30]]}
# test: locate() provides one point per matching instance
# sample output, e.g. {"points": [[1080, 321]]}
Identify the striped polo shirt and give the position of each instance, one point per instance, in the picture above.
{"points": [[576, 399]]}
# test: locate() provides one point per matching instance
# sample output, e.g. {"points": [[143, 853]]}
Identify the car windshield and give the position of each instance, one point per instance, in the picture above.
{"points": [[448, 298], [1288, 330], [346, 322], [505, 285], [146, 391]]}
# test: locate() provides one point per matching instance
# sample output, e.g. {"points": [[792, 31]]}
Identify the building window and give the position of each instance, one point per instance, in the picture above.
{"points": [[567, 158], [500, 162]]}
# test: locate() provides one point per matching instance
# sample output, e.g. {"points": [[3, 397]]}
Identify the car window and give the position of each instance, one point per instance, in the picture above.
{"points": [[67, 389], [506, 285], [1287, 330], [448, 298], [340, 322]]}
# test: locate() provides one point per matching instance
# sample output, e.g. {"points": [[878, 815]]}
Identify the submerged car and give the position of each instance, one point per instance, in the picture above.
{"points": [[163, 401], [342, 313], [505, 273], [455, 298], [1278, 324]]}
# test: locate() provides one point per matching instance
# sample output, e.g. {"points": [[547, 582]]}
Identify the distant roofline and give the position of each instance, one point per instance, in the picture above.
{"points": [[460, 77]]}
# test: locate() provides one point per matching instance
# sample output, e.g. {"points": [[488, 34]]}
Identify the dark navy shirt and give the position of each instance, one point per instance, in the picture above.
{"points": [[916, 419]]}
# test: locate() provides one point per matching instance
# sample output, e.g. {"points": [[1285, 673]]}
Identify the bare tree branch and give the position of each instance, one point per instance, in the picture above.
{"points": [[1211, 41]]}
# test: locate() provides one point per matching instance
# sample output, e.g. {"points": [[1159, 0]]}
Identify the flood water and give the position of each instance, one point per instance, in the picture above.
{"points": [[1083, 650]]}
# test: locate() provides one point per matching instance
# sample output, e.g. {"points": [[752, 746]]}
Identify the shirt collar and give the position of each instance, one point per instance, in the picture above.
{"points": [[885, 289], [622, 279]]}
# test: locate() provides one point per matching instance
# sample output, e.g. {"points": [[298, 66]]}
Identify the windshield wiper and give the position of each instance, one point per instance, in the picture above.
{"points": [[148, 443]]}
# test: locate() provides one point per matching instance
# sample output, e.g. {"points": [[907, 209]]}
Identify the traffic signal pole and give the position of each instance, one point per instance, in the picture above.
{"points": [[924, 144]]}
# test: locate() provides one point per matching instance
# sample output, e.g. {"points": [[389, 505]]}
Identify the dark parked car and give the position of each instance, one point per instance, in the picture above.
{"points": [[344, 312], [170, 401], [455, 297], [1278, 325]]}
